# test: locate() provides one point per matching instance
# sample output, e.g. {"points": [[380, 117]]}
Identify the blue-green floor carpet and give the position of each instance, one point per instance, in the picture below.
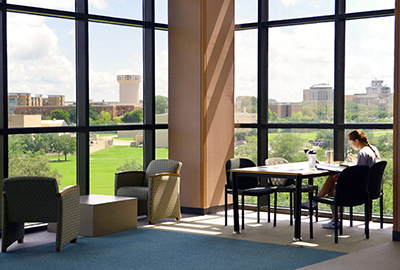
{"points": [[156, 249]]}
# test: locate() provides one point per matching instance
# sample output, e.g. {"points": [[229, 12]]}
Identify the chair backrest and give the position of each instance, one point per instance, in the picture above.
{"points": [[278, 181], [31, 198], [375, 179], [161, 166], [351, 188], [243, 182]]}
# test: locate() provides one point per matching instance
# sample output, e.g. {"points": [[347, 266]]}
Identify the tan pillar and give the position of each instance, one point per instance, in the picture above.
{"points": [[201, 68], [396, 129]]}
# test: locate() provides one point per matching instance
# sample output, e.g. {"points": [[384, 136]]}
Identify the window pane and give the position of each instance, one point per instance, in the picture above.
{"points": [[246, 143], [246, 11], [41, 78], [112, 152], [357, 6], [49, 154], [161, 73], [246, 76], [116, 8], [161, 11], [116, 64], [59, 4], [290, 145], [301, 63], [369, 70], [279, 10], [162, 144]]}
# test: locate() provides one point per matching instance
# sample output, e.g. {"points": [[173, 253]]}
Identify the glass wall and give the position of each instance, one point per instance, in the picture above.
{"points": [[322, 71], [76, 90]]}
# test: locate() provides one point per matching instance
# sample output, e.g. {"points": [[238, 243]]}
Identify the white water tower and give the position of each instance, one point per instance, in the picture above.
{"points": [[129, 88]]}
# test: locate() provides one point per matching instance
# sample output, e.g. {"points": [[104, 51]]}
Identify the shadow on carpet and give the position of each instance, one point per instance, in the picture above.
{"points": [[155, 249]]}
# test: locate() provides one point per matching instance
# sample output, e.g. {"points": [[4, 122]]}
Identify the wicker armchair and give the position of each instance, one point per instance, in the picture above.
{"points": [[157, 189], [37, 199]]}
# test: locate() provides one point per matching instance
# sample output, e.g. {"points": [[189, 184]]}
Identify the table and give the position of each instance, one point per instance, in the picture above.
{"points": [[297, 171], [103, 214]]}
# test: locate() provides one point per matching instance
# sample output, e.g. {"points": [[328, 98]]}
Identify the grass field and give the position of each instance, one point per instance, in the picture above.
{"points": [[103, 166]]}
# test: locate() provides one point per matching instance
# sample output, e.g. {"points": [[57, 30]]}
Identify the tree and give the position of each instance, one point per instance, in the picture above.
{"points": [[104, 119], [61, 115], [32, 165], [130, 165], [135, 116], [288, 146], [93, 114], [248, 150], [64, 144], [72, 115], [161, 104]]}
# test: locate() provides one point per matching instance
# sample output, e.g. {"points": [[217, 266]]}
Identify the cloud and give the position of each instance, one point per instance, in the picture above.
{"points": [[36, 64], [100, 4], [58, 4], [289, 2]]}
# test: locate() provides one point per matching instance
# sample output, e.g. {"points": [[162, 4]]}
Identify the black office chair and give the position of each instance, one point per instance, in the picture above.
{"points": [[288, 185], [247, 186], [375, 189], [351, 190]]}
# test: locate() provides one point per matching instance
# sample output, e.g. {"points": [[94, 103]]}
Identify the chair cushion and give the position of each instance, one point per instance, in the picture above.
{"points": [[141, 193]]}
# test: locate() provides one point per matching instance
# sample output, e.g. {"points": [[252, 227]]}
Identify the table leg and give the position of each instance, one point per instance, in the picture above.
{"points": [[236, 229], [297, 210]]}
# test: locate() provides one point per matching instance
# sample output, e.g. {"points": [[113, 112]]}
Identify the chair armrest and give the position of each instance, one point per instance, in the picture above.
{"points": [[67, 189], [165, 174], [68, 215], [128, 178]]}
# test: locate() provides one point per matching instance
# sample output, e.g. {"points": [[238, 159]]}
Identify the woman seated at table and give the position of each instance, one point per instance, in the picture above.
{"points": [[367, 155]]}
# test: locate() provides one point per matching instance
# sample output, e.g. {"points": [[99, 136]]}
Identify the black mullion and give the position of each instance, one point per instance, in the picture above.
{"points": [[4, 100], [82, 95], [262, 85], [339, 81], [149, 153]]}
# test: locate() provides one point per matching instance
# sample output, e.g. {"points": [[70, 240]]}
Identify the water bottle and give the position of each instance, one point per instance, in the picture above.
{"points": [[312, 158]]}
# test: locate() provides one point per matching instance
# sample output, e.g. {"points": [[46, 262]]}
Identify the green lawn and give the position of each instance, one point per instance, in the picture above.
{"points": [[103, 166]]}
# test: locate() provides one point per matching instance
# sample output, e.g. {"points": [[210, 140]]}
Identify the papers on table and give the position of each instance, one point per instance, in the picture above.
{"points": [[336, 167]]}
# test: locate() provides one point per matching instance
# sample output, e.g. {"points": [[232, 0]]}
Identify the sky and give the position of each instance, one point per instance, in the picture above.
{"points": [[41, 50]]}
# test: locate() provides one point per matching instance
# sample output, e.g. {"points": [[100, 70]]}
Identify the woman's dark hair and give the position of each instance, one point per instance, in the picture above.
{"points": [[361, 137]]}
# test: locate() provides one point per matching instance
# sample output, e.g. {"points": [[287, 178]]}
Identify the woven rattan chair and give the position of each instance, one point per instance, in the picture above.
{"points": [[37, 199], [157, 189], [288, 185]]}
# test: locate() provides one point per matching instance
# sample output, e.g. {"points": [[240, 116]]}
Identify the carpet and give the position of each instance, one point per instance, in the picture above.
{"points": [[156, 249]]}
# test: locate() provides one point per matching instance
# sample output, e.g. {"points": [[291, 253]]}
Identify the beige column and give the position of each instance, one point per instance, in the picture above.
{"points": [[396, 129], [201, 69]]}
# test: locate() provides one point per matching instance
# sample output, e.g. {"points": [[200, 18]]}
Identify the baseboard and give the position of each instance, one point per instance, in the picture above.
{"points": [[202, 211], [396, 236]]}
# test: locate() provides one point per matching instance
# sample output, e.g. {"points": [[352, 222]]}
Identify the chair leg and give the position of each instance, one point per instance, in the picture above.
{"points": [[291, 207], [381, 210], [367, 220], [341, 220], [275, 204], [258, 209], [226, 208], [242, 212], [351, 216], [311, 221], [336, 224], [316, 210], [269, 208]]}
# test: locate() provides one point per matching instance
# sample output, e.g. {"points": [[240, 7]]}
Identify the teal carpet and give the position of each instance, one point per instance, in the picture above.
{"points": [[156, 249]]}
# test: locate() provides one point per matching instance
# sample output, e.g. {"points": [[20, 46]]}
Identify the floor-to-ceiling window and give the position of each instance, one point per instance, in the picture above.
{"points": [[84, 89], [307, 73]]}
